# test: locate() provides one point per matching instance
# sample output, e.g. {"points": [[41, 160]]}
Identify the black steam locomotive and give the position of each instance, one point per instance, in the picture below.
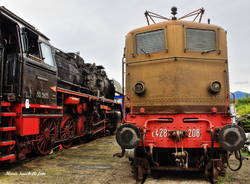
{"points": [[48, 98], [76, 75]]}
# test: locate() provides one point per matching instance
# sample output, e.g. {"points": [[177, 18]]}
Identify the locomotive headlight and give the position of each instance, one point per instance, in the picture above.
{"points": [[139, 88], [215, 87], [128, 136]]}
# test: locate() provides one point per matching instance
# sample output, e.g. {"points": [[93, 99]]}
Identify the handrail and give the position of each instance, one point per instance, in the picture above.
{"points": [[211, 126]]}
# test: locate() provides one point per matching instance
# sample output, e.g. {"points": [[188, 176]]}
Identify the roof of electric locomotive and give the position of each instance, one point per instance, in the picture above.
{"points": [[188, 24]]}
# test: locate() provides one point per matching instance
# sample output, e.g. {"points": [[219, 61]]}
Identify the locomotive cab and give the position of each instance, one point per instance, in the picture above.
{"points": [[10, 53], [39, 66], [24, 50]]}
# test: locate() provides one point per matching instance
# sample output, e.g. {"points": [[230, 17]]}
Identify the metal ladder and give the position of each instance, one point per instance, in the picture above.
{"points": [[6, 134], [6, 124]]}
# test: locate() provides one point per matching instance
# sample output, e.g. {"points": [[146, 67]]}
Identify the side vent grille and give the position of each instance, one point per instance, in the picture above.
{"points": [[189, 120], [166, 120]]}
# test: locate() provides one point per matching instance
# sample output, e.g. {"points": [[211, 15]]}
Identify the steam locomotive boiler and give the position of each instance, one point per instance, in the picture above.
{"points": [[177, 99], [48, 98]]}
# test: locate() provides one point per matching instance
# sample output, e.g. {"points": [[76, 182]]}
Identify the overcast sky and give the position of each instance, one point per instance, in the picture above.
{"points": [[97, 28]]}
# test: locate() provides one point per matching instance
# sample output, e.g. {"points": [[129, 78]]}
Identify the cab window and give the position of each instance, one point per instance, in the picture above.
{"points": [[150, 42], [200, 40], [47, 54], [31, 44]]}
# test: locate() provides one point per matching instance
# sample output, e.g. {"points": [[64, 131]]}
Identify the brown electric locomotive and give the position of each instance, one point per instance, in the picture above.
{"points": [[177, 98]]}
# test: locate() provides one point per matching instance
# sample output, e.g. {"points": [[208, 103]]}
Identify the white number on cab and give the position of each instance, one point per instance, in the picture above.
{"points": [[162, 132], [194, 132]]}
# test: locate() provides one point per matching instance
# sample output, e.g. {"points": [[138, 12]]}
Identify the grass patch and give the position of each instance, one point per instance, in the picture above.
{"points": [[245, 153], [225, 179]]}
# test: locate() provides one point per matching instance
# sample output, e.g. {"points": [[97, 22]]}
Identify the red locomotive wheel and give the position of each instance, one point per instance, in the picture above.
{"points": [[81, 125], [44, 142], [67, 130]]}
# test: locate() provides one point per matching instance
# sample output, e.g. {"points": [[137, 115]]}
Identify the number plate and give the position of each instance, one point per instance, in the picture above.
{"points": [[162, 132]]}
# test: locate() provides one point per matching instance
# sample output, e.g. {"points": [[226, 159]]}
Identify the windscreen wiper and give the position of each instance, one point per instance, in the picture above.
{"points": [[207, 51], [145, 52]]}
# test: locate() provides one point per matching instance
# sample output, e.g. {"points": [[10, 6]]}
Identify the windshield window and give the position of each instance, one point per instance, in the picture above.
{"points": [[47, 54], [200, 40], [149, 42]]}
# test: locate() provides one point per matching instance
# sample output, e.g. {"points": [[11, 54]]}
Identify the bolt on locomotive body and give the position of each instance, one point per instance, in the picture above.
{"points": [[177, 99], [48, 98]]}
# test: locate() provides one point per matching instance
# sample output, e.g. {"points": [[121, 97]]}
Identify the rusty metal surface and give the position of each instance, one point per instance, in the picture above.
{"points": [[177, 77]]}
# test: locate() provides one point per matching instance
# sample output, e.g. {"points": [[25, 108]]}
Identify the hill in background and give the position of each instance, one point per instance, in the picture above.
{"points": [[240, 94]]}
